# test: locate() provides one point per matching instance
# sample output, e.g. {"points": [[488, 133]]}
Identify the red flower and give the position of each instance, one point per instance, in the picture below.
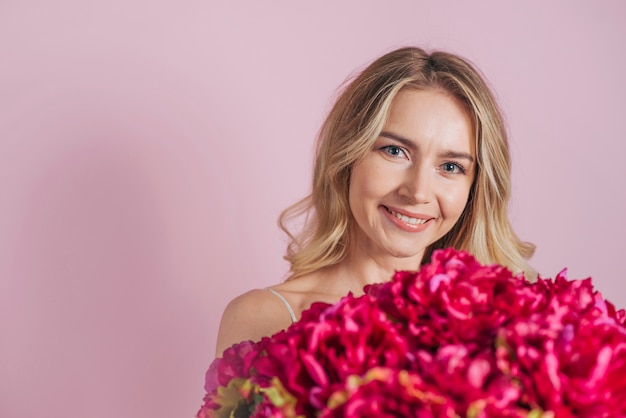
{"points": [[454, 339], [454, 299], [570, 354], [384, 392], [348, 338]]}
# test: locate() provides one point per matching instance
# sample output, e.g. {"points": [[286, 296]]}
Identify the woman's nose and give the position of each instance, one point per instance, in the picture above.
{"points": [[417, 186]]}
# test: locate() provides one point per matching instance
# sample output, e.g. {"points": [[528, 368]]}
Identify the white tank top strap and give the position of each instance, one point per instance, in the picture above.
{"points": [[282, 298]]}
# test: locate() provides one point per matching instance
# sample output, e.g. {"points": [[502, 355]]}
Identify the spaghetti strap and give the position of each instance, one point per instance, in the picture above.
{"points": [[282, 298]]}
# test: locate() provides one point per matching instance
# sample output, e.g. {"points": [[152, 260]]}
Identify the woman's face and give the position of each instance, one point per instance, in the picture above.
{"points": [[412, 186]]}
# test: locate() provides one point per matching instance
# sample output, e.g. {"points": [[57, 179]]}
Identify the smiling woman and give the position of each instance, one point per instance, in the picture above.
{"points": [[412, 187], [413, 157]]}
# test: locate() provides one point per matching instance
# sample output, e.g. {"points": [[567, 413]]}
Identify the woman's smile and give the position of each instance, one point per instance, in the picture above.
{"points": [[407, 221]]}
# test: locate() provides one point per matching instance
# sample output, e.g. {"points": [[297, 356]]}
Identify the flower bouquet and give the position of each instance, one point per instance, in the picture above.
{"points": [[456, 339]]}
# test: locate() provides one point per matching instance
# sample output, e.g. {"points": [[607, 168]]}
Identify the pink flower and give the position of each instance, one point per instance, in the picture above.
{"points": [[236, 362], [229, 379], [384, 392], [569, 354], [454, 299], [347, 339], [455, 339]]}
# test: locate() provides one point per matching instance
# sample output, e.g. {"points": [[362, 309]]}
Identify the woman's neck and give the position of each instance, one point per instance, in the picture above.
{"points": [[362, 267]]}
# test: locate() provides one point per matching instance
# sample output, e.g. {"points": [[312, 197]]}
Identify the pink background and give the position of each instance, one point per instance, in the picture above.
{"points": [[147, 148]]}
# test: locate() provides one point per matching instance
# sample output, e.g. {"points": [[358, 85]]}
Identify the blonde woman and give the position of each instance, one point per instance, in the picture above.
{"points": [[412, 157]]}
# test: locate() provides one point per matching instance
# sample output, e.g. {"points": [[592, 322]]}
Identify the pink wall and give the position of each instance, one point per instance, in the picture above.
{"points": [[147, 148]]}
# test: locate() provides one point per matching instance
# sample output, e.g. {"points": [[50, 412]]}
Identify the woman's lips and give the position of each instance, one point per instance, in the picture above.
{"points": [[407, 221]]}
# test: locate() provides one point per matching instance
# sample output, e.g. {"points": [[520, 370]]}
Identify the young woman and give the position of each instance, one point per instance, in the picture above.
{"points": [[413, 157]]}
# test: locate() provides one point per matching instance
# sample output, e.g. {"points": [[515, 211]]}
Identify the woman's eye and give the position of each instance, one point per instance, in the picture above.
{"points": [[394, 151], [453, 168]]}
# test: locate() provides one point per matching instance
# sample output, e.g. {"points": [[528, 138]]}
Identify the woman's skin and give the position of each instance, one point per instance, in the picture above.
{"points": [[406, 193]]}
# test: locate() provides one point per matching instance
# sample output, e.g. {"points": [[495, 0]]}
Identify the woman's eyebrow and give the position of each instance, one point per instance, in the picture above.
{"points": [[404, 141], [457, 154], [412, 145]]}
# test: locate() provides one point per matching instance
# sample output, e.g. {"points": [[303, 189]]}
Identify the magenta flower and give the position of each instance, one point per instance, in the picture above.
{"points": [[455, 339]]}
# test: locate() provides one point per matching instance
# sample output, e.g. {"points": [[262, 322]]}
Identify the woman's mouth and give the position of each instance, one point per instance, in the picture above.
{"points": [[407, 219]]}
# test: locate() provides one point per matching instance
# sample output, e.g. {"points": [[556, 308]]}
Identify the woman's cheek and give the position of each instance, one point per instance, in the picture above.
{"points": [[454, 202]]}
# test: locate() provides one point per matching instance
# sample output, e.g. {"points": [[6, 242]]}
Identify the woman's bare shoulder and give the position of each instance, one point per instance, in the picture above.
{"points": [[251, 316], [313, 287], [259, 313]]}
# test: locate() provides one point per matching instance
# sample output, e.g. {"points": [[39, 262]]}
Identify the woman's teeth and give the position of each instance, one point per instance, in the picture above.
{"points": [[404, 218]]}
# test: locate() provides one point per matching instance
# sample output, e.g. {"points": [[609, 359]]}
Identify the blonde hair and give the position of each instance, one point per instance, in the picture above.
{"points": [[349, 132]]}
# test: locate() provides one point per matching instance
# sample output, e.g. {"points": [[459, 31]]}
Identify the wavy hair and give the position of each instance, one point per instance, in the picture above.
{"points": [[349, 132]]}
